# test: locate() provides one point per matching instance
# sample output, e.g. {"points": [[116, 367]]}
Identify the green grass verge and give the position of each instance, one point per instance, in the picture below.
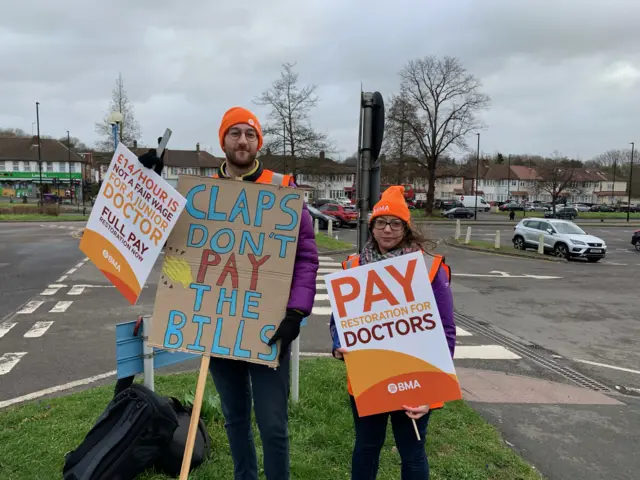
{"points": [[326, 242], [460, 444], [582, 215], [12, 217]]}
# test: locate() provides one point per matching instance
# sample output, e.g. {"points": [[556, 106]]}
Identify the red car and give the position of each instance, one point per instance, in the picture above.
{"points": [[346, 215]]}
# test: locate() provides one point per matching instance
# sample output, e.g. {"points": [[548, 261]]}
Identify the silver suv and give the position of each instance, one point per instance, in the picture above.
{"points": [[562, 238]]}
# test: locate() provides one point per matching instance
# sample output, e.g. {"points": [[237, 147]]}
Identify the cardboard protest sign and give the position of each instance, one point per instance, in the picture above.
{"points": [[386, 315], [130, 221], [227, 269]]}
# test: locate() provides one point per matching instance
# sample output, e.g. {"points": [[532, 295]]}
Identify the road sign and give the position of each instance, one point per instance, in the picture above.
{"points": [[461, 198]]}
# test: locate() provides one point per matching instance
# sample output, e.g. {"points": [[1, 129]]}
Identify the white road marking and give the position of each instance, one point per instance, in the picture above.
{"points": [[614, 263], [484, 352], [321, 286], [72, 270], [5, 327], [604, 365], [38, 329], [331, 264], [80, 264], [62, 279], [329, 270], [10, 360], [56, 389], [461, 332], [52, 289], [30, 307], [321, 311], [322, 296], [86, 259], [61, 307], [493, 275], [325, 258], [76, 290], [315, 354]]}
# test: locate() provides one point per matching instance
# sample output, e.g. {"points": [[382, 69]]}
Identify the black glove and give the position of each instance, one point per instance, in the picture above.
{"points": [[288, 331], [151, 160]]}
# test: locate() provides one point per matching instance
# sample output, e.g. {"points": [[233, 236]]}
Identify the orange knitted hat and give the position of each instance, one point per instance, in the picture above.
{"points": [[237, 115], [392, 203]]}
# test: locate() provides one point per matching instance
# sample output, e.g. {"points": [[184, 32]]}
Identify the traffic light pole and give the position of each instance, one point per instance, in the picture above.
{"points": [[368, 166]]}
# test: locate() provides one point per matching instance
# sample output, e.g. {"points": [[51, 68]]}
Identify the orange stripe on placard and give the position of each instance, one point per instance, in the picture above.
{"points": [[108, 259], [368, 367], [413, 389]]}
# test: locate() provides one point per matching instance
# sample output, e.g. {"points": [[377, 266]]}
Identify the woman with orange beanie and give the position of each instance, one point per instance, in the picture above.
{"points": [[391, 235]]}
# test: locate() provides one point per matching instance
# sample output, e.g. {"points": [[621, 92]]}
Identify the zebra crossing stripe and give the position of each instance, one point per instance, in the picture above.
{"points": [[10, 360], [30, 307], [38, 329], [484, 352], [5, 327], [329, 270], [61, 307]]}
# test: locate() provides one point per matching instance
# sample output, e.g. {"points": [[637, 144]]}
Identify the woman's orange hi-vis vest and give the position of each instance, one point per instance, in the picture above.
{"points": [[437, 261]]}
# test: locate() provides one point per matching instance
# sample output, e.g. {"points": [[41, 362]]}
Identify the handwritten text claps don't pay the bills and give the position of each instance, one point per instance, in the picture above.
{"points": [[232, 252]]}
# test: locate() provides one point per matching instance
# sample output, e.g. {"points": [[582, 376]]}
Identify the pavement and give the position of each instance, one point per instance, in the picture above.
{"points": [[547, 351]]}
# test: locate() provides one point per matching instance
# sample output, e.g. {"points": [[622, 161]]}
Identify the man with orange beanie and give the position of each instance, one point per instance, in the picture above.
{"points": [[237, 381]]}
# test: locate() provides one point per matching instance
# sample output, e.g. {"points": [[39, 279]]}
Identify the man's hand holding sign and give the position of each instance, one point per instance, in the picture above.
{"points": [[392, 337]]}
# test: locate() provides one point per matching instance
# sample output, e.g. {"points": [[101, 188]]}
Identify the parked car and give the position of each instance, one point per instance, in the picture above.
{"points": [[536, 207], [568, 213], [561, 238], [458, 212], [323, 218], [346, 215], [635, 239], [448, 204], [582, 207], [602, 208], [508, 207]]}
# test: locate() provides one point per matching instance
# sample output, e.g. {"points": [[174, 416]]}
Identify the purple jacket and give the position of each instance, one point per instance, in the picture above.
{"points": [[444, 300], [305, 270]]}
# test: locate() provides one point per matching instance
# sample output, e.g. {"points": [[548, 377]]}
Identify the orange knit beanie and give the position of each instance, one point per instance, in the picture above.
{"points": [[237, 115], [392, 203]]}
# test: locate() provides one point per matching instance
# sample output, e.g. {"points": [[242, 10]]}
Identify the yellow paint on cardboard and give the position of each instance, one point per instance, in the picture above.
{"points": [[178, 270]]}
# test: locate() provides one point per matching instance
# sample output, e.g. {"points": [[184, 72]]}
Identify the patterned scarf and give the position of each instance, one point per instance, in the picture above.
{"points": [[370, 253]]}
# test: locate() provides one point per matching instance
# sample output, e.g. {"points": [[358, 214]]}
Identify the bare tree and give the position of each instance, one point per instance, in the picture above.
{"points": [[445, 101], [400, 145], [289, 130], [129, 129], [13, 132], [555, 178], [613, 161]]}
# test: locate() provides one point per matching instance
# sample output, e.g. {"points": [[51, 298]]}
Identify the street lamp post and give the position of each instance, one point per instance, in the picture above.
{"points": [[475, 216], [69, 161], [115, 119], [39, 152], [613, 187], [630, 182]]}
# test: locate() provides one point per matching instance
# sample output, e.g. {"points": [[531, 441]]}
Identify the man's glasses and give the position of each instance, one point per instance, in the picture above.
{"points": [[380, 223], [250, 135]]}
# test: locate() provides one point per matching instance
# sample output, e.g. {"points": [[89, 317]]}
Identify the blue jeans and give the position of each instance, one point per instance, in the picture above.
{"points": [[370, 435], [237, 382]]}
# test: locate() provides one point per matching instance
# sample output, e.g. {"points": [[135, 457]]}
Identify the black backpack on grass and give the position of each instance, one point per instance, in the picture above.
{"points": [[138, 430]]}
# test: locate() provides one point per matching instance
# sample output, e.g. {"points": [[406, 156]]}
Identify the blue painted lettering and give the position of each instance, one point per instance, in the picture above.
{"points": [[192, 229], [200, 320], [290, 211], [173, 329], [222, 299], [262, 205], [270, 357], [215, 241], [213, 214], [284, 241], [240, 208], [238, 351], [247, 239], [190, 207], [249, 302], [216, 347], [200, 289]]}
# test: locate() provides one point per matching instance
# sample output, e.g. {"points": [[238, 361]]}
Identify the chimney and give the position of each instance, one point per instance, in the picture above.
{"points": [[321, 154], [135, 144], [198, 147]]}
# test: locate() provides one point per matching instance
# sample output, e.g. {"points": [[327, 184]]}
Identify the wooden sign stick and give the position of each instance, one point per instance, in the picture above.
{"points": [[195, 418], [415, 428]]}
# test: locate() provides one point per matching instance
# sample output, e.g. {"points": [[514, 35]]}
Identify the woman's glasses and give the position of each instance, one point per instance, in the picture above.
{"points": [[380, 223]]}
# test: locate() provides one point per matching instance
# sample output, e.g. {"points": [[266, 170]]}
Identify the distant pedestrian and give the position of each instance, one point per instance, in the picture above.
{"points": [[512, 215]]}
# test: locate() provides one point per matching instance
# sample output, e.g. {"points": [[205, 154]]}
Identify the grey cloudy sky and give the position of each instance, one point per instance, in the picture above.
{"points": [[562, 75]]}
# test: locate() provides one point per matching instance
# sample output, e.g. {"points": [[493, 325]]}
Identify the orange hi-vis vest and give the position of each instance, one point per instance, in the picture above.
{"points": [[434, 262], [267, 176]]}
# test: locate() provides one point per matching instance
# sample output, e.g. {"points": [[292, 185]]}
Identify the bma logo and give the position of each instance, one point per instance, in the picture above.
{"points": [[403, 386]]}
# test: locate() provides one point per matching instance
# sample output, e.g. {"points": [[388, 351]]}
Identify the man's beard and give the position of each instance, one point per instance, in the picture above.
{"points": [[244, 161]]}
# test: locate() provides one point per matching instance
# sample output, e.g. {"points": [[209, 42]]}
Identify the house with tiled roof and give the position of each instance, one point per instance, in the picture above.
{"points": [[22, 174]]}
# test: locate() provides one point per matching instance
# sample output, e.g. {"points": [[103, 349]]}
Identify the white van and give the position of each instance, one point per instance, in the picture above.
{"points": [[469, 201]]}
